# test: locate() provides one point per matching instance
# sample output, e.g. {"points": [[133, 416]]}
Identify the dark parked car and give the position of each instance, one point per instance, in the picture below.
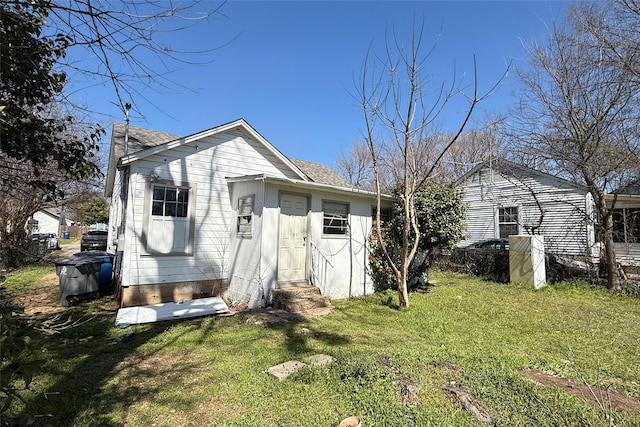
{"points": [[502, 244], [488, 258], [94, 240]]}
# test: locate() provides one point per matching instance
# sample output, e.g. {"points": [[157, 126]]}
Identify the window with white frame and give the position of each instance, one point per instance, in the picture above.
{"points": [[32, 225], [245, 216], [170, 201], [335, 217], [508, 221], [167, 227]]}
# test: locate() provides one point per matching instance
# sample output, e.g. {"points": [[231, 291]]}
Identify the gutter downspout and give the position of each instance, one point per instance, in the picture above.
{"points": [[124, 194]]}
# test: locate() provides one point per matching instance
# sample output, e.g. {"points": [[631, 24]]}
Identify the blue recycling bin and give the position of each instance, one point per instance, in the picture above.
{"points": [[106, 265], [66, 235]]}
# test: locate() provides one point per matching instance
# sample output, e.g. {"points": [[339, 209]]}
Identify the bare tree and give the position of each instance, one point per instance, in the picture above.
{"points": [[578, 114], [355, 166], [131, 42], [394, 95], [473, 147], [44, 42]]}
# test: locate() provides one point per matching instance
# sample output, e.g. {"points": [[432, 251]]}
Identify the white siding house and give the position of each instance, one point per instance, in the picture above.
{"points": [[44, 221], [224, 212], [504, 198]]}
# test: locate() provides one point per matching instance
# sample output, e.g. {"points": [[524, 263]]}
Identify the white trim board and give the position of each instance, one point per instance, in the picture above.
{"points": [[171, 310]]}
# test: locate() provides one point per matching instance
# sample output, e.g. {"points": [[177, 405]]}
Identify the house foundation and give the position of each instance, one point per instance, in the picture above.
{"points": [[168, 292]]}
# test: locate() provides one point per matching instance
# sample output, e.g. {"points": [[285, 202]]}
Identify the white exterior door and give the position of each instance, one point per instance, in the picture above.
{"points": [[292, 248]]}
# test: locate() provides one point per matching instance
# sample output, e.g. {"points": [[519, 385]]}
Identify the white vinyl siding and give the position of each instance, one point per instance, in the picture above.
{"points": [[205, 165], [546, 206]]}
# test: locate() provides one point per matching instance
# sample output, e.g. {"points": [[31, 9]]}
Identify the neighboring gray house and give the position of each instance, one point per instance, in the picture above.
{"points": [[222, 211], [505, 198]]}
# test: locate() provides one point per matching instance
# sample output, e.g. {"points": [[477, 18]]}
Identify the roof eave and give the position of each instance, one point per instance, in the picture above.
{"points": [[311, 185]]}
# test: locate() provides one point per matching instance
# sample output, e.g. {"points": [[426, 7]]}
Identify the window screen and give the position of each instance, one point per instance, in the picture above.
{"points": [[245, 216], [335, 217]]}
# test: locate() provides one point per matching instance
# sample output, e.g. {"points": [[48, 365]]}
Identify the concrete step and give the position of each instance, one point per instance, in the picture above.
{"points": [[298, 299]]}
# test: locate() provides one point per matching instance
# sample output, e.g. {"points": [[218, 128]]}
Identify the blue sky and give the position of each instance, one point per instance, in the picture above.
{"points": [[289, 67]]}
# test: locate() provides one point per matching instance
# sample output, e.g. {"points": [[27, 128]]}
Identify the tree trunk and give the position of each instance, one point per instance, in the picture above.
{"points": [[611, 262], [403, 293]]}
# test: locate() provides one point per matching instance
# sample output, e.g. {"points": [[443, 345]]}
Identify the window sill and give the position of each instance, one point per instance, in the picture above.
{"points": [[335, 236]]}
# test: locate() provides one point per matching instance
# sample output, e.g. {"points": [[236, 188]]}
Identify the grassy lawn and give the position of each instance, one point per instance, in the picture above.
{"points": [[478, 334]]}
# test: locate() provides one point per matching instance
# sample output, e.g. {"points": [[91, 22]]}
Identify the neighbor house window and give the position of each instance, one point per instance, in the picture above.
{"points": [[335, 217], [385, 214], [168, 224], [32, 225], [508, 221], [245, 216], [626, 225]]}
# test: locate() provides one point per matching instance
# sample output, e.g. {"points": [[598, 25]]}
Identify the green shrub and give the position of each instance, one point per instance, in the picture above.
{"points": [[491, 263], [440, 212]]}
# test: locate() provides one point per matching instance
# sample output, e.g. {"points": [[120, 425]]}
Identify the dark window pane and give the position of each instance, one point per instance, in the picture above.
{"points": [[170, 201], [335, 225], [335, 217], [182, 210], [385, 214], [507, 230], [618, 225], [158, 193], [508, 214], [156, 208], [170, 209]]}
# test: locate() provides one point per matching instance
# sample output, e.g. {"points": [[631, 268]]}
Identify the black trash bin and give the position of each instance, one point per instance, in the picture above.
{"points": [[79, 278], [106, 267]]}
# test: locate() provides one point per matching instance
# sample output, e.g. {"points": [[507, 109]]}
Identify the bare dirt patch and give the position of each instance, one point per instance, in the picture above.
{"points": [[596, 395], [43, 299]]}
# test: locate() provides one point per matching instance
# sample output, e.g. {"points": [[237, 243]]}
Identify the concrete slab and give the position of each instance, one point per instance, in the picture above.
{"points": [[285, 369]]}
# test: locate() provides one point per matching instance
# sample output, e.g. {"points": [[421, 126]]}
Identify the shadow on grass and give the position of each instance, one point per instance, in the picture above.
{"points": [[299, 338], [96, 371]]}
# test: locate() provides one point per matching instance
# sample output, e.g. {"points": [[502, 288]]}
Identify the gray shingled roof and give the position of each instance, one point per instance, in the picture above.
{"points": [[321, 174], [139, 138]]}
